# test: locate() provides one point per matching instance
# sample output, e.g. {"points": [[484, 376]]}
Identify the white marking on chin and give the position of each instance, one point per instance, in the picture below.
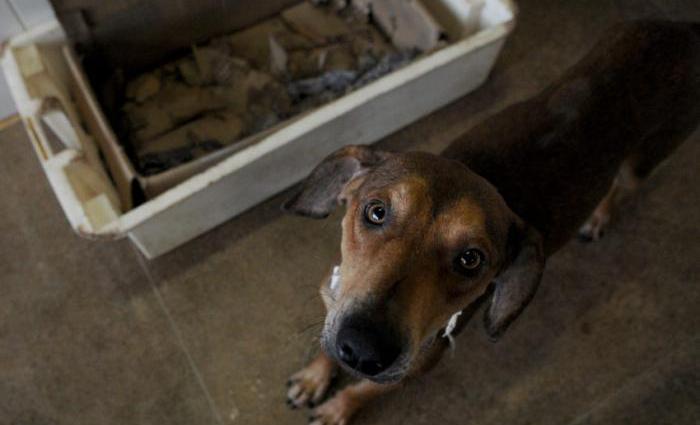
{"points": [[335, 278], [451, 325]]}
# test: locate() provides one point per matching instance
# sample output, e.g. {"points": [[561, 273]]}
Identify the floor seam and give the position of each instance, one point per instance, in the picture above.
{"points": [[178, 335]]}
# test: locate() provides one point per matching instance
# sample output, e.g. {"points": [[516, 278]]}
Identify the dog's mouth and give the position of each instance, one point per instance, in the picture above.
{"points": [[393, 374], [391, 353]]}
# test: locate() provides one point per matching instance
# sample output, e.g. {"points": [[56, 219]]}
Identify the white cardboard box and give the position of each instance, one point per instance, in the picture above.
{"points": [[257, 172]]}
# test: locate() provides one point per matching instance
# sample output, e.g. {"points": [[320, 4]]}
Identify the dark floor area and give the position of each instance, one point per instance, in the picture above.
{"points": [[90, 333]]}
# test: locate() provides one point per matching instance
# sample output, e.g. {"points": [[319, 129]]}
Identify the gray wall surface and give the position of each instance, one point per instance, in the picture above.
{"points": [[17, 16]]}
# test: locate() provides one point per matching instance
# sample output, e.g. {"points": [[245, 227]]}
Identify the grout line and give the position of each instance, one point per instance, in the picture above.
{"points": [[178, 335], [9, 121]]}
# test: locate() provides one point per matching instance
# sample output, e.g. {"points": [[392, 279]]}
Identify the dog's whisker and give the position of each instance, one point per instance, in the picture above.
{"points": [[311, 327]]}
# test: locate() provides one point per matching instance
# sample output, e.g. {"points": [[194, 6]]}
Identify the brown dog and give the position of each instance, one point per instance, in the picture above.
{"points": [[426, 236]]}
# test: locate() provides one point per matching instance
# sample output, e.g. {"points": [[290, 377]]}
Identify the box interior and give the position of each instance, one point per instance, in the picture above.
{"points": [[131, 37]]}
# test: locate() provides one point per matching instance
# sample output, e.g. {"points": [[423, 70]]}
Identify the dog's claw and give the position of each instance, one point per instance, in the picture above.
{"points": [[336, 411], [584, 237], [594, 228], [587, 235], [308, 386]]}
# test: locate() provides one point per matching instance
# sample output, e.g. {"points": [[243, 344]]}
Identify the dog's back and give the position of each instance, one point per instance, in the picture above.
{"points": [[632, 99]]}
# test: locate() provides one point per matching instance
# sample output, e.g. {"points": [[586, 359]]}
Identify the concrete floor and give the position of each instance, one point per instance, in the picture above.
{"points": [[90, 333]]}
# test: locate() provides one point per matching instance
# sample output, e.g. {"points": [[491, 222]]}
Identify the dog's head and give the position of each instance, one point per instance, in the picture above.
{"points": [[423, 238]]}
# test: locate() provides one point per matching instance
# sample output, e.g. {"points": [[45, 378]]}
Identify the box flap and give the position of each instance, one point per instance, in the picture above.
{"points": [[137, 34]]}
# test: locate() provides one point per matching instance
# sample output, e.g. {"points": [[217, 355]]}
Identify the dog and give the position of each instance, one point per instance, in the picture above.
{"points": [[425, 237]]}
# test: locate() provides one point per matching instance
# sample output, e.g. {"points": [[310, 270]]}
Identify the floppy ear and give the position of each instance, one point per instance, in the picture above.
{"points": [[515, 286], [318, 195]]}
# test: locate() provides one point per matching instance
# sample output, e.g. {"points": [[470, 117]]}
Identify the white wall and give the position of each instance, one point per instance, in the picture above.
{"points": [[15, 17]]}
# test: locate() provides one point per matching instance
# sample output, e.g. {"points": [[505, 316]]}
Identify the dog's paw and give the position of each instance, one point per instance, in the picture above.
{"points": [[308, 386], [336, 411], [594, 228]]}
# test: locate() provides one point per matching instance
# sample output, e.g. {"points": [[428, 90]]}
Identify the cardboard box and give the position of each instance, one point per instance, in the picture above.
{"points": [[93, 179]]}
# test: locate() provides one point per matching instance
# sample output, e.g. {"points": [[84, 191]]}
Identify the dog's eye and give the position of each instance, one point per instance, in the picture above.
{"points": [[469, 261], [375, 212]]}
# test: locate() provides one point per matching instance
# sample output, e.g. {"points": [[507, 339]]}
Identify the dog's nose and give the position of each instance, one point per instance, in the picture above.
{"points": [[368, 351]]}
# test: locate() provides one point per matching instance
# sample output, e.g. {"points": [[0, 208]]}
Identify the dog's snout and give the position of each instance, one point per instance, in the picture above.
{"points": [[368, 350]]}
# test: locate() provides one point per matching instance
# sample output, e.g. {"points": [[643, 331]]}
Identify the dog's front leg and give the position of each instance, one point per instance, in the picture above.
{"points": [[308, 386], [346, 402]]}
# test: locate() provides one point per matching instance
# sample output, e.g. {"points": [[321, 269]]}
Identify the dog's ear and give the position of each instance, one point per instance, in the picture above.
{"points": [[319, 193], [515, 285]]}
